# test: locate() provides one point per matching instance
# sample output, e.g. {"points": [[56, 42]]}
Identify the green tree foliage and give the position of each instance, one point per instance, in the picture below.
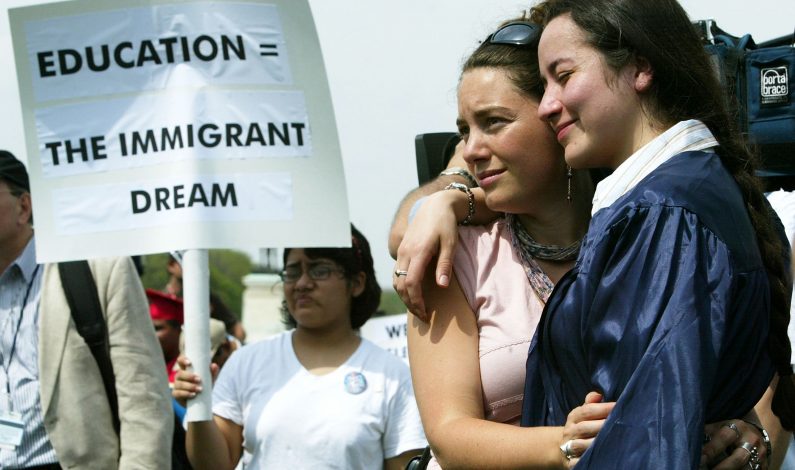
{"points": [[390, 303], [227, 268], [155, 275]]}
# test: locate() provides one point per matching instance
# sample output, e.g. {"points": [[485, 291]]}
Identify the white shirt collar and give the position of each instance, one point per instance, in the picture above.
{"points": [[682, 137]]}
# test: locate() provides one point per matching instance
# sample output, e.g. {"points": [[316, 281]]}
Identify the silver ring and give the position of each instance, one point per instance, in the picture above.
{"points": [[753, 455], [399, 272], [733, 427], [566, 449]]}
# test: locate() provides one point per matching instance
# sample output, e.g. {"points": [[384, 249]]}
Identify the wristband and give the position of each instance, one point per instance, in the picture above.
{"points": [[765, 439], [458, 171], [470, 199]]}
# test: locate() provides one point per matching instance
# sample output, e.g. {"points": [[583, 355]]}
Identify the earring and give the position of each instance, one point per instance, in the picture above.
{"points": [[568, 183]]}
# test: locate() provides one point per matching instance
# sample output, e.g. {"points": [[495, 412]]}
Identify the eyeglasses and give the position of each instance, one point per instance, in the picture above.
{"points": [[517, 33], [316, 272]]}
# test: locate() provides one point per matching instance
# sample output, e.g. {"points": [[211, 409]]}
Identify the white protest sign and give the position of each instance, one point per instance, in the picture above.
{"points": [[154, 126], [153, 130], [389, 333], [156, 46]]}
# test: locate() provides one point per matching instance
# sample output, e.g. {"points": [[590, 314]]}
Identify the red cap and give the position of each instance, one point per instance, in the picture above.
{"points": [[164, 306]]}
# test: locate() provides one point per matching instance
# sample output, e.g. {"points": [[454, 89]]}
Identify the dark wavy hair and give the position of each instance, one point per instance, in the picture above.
{"points": [[520, 63], [684, 87], [353, 260]]}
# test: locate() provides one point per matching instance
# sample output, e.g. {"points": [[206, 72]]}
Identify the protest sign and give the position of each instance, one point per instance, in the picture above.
{"points": [[389, 332], [154, 126]]}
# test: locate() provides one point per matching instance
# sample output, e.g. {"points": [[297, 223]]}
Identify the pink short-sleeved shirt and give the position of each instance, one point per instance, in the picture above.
{"points": [[495, 284]]}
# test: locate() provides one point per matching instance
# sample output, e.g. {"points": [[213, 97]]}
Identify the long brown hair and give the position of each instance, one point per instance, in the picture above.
{"points": [[686, 87]]}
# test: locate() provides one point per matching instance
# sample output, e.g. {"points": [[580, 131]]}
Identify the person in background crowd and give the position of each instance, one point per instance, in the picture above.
{"points": [[218, 309], [317, 396], [53, 386], [222, 344], [167, 316]]}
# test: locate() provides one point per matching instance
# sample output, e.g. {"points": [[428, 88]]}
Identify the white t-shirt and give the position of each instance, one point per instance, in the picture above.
{"points": [[783, 203], [352, 418]]}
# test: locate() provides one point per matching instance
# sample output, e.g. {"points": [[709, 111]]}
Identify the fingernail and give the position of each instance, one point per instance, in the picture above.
{"points": [[198, 389], [444, 280]]}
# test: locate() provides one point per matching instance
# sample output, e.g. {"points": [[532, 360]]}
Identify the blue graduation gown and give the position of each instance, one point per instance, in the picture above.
{"points": [[666, 312]]}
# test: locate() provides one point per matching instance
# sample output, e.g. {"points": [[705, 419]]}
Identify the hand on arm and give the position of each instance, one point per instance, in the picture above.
{"points": [[401, 220], [723, 451], [583, 424], [414, 248], [434, 231]]}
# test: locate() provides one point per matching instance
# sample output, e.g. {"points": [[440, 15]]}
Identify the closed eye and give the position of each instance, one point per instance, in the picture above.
{"points": [[463, 132], [563, 76], [493, 123]]}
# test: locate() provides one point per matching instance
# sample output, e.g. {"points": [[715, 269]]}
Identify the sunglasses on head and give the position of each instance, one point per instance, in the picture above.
{"points": [[517, 33]]}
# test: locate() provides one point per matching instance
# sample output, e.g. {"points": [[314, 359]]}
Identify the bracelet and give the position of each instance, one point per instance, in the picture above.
{"points": [[470, 197], [458, 171], [765, 439]]}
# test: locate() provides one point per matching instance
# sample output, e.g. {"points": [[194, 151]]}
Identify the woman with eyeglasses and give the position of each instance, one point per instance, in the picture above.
{"points": [[318, 395], [468, 360]]}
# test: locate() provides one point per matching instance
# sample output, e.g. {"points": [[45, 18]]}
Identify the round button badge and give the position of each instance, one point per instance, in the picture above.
{"points": [[355, 383]]}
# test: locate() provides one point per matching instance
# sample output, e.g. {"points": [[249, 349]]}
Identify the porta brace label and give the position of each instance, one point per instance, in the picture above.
{"points": [[774, 86]]}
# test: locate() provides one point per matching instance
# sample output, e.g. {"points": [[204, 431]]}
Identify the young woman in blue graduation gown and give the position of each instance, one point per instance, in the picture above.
{"points": [[681, 279]]}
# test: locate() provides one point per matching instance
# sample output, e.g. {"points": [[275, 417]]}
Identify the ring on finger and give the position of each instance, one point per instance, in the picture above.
{"points": [[566, 449], [753, 454], [400, 272], [734, 428]]}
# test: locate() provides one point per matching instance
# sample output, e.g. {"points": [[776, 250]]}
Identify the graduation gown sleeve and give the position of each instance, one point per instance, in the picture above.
{"points": [[662, 316]]}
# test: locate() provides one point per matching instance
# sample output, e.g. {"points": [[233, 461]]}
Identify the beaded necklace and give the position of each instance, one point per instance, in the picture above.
{"points": [[538, 279], [539, 251]]}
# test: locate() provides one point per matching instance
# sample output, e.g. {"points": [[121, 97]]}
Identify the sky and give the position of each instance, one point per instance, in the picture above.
{"points": [[393, 69]]}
